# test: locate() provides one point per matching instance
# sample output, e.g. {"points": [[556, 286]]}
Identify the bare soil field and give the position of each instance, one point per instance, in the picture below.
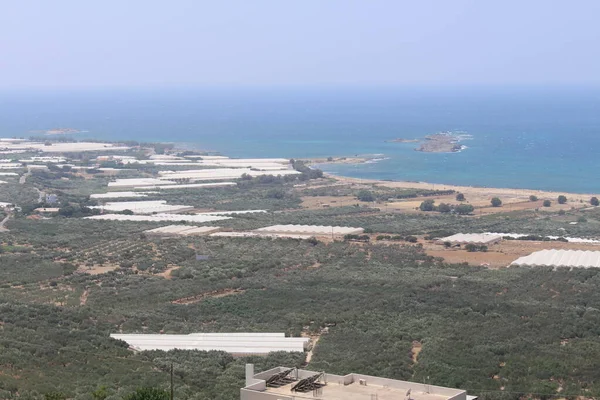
{"points": [[502, 254], [214, 294], [512, 199], [317, 202], [167, 272], [97, 269]]}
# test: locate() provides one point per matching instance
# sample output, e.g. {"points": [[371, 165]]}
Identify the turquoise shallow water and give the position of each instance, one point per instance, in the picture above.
{"points": [[539, 138]]}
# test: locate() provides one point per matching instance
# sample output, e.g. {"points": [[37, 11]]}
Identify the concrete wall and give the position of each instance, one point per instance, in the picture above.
{"points": [[452, 394], [268, 373]]}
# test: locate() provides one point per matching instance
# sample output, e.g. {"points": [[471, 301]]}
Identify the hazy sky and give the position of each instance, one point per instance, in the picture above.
{"points": [[304, 42]]}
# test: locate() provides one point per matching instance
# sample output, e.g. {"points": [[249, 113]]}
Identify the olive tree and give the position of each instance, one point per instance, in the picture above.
{"points": [[562, 199]]}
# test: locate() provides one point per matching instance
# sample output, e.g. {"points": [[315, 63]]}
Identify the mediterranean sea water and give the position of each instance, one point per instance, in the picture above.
{"points": [[526, 137]]}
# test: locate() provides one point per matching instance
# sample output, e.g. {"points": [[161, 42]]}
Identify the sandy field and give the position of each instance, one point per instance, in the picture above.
{"points": [[317, 202], [512, 199], [502, 254]]}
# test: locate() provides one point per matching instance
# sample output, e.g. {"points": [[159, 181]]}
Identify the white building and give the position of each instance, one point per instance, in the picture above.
{"points": [[144, 207], [561, 258], [296, 384], [181, 230], [240, 344], [311, 230], [471, 238], [196, 218]]}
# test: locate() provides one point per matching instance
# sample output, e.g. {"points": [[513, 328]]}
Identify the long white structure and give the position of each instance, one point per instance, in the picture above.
{"points": [[561, 258], [187, 186], [294, 231], [260, 235], [315, 230], [144, 207], [220, 174], [117, 195], [11, 166], [133, 182], [471, 238], [233, 212], [199, 156], [61, 147], [568, 238], [234, 343], [196, 218], [181, 230], [55, 160]]}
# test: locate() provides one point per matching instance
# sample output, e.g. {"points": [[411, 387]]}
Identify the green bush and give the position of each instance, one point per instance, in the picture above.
{"points": [[148, 393], [464, 209], [365, 195], [427, 205], [562, 199], [444, 208]]}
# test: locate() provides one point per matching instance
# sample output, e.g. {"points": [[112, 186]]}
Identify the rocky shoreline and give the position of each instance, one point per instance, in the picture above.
{"points": [[440, 143], [402, 140]]}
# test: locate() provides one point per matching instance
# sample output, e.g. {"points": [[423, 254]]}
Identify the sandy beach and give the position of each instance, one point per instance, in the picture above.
{"points": [[479, 197], [517, 194]]}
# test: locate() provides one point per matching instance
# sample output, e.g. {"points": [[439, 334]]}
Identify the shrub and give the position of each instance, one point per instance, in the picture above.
{"points": [[533, 198], [472, 247], [547, 203], [148, 394], [275, 194], [460, 197], [464, 209], [562, 199], [444, 208], [427, 205], [365, 195], [496, 202], [313, 240], [361, 238], [595, 202]]}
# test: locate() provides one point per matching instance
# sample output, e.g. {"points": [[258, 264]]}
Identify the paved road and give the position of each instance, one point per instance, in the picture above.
{"points": [[24, 177], [23, 180], [41, 195], [3, 222]]}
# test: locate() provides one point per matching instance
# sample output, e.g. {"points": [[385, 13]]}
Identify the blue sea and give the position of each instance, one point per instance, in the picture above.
{"points": [[522, 137]]}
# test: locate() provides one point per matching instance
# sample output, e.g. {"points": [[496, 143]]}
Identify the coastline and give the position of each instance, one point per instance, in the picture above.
{"points": [[400, 184], [514, 194], [508, 195]]}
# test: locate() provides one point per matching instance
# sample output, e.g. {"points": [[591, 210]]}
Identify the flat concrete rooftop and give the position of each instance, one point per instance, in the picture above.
{"points": [[339, 387], [356, 391]]}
